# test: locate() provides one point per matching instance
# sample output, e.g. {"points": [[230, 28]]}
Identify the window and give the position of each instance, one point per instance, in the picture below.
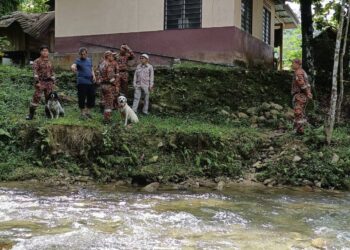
{"points": [[266, 26], [247, 15], [183, 14]]}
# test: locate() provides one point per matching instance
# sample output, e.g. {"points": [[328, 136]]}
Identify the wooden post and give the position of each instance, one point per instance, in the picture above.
{"points": [[281, 47]]}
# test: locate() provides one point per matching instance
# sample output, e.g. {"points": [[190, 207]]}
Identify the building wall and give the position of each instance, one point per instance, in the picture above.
{"points": [[81, 17], [86, 17], [258, 6], [225, 45], [218, 13], [141, 24]]}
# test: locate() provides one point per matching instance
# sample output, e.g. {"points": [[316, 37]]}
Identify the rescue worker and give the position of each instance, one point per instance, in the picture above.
{"points": [[301, 92], [44, 77], [125, 55], [109, 84]]}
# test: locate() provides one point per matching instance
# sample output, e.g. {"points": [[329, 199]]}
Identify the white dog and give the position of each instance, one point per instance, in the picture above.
{"points": [[53, 106], [126, 111]]}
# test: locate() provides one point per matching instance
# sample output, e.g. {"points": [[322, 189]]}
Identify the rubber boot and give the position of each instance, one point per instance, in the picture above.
{"points": [[102, 107], [107, 117], [31, 114], [47, 112]]}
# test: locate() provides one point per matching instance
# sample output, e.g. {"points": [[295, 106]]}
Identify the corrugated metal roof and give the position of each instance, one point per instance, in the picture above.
{"points": [[31, 24], [284, 14]]}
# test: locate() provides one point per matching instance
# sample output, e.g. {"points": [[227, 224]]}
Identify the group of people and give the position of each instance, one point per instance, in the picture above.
{"points": [[112, 76]]}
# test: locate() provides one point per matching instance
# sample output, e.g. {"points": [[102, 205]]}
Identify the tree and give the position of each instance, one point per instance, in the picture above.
{"points": [[330, 120], [327, 14], [8, 6], [307, 32], [4, 45], [34, 6], [291, 46], [341, 66]]}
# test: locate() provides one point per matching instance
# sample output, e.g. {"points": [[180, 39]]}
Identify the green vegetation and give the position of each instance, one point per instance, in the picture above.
{"points": [[291, 46], [206, 122]]}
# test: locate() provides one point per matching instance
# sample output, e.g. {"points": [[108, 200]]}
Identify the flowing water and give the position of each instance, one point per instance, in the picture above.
{"points": [[105, 217]]}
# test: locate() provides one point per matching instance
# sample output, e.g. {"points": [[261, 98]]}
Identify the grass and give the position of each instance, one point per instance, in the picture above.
{"points": [[167, 145]]}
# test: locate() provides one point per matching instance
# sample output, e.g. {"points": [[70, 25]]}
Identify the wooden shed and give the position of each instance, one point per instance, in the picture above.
{"points": [[26, 33]]}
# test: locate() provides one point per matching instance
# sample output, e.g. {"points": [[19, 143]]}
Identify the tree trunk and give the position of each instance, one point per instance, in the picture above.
{"points": [[341, 67], [307, 31], [330, 120]]}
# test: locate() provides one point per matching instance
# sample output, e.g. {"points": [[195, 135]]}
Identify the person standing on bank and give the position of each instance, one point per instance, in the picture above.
{"points": [[124, 56], [44, 77], [143, 82], [301, 92], [109, 80], [85, 83]]}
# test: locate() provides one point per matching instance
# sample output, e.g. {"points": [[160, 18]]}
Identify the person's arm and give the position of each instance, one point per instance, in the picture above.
{"points": [[151, 81], [52, 73], [135, 78], [131, 54], [93, 75], [301, 80], [74, 68], [36, 71]]}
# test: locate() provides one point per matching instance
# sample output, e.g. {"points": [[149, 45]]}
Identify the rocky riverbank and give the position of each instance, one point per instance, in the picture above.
{"points": [[209, 127]]}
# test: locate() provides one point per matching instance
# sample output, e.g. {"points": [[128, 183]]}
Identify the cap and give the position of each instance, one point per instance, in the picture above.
{"points": [[108, 53], [42, 47], [297, 61], [145, 56]]}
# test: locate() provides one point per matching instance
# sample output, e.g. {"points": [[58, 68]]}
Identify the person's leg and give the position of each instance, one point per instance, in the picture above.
{"points": [[108, 97], [146, 102], [90, 99], [102, 101], [137, 96], [35, 101], [81, 98], [116, 92], [47, 88], [124, 77], [299, 117]]}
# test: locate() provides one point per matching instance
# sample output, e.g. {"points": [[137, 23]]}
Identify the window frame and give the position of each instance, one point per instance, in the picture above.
{"points": [[243, 17], [266, 25], [183, 4]]}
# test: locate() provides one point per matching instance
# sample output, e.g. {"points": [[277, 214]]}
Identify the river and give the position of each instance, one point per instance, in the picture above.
{"points": [[38, 217]]}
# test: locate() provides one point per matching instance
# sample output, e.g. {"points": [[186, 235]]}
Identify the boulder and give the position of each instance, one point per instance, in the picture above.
{"points": [[220, 185], [265, 106], [335, 159], [268, 115], [258, 164], [268, 181], [254, 119], [252, 111], [276, 106], [154, 159], [289, 115], [319, 243], [262, 119], [297, 158], [207, 183], [242, 115], [151, 187], [225, 113], [274, 112]]}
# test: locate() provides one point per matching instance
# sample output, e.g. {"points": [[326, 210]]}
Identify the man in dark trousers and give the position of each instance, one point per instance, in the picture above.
{"points": [[85, 83], [44, 77]]}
